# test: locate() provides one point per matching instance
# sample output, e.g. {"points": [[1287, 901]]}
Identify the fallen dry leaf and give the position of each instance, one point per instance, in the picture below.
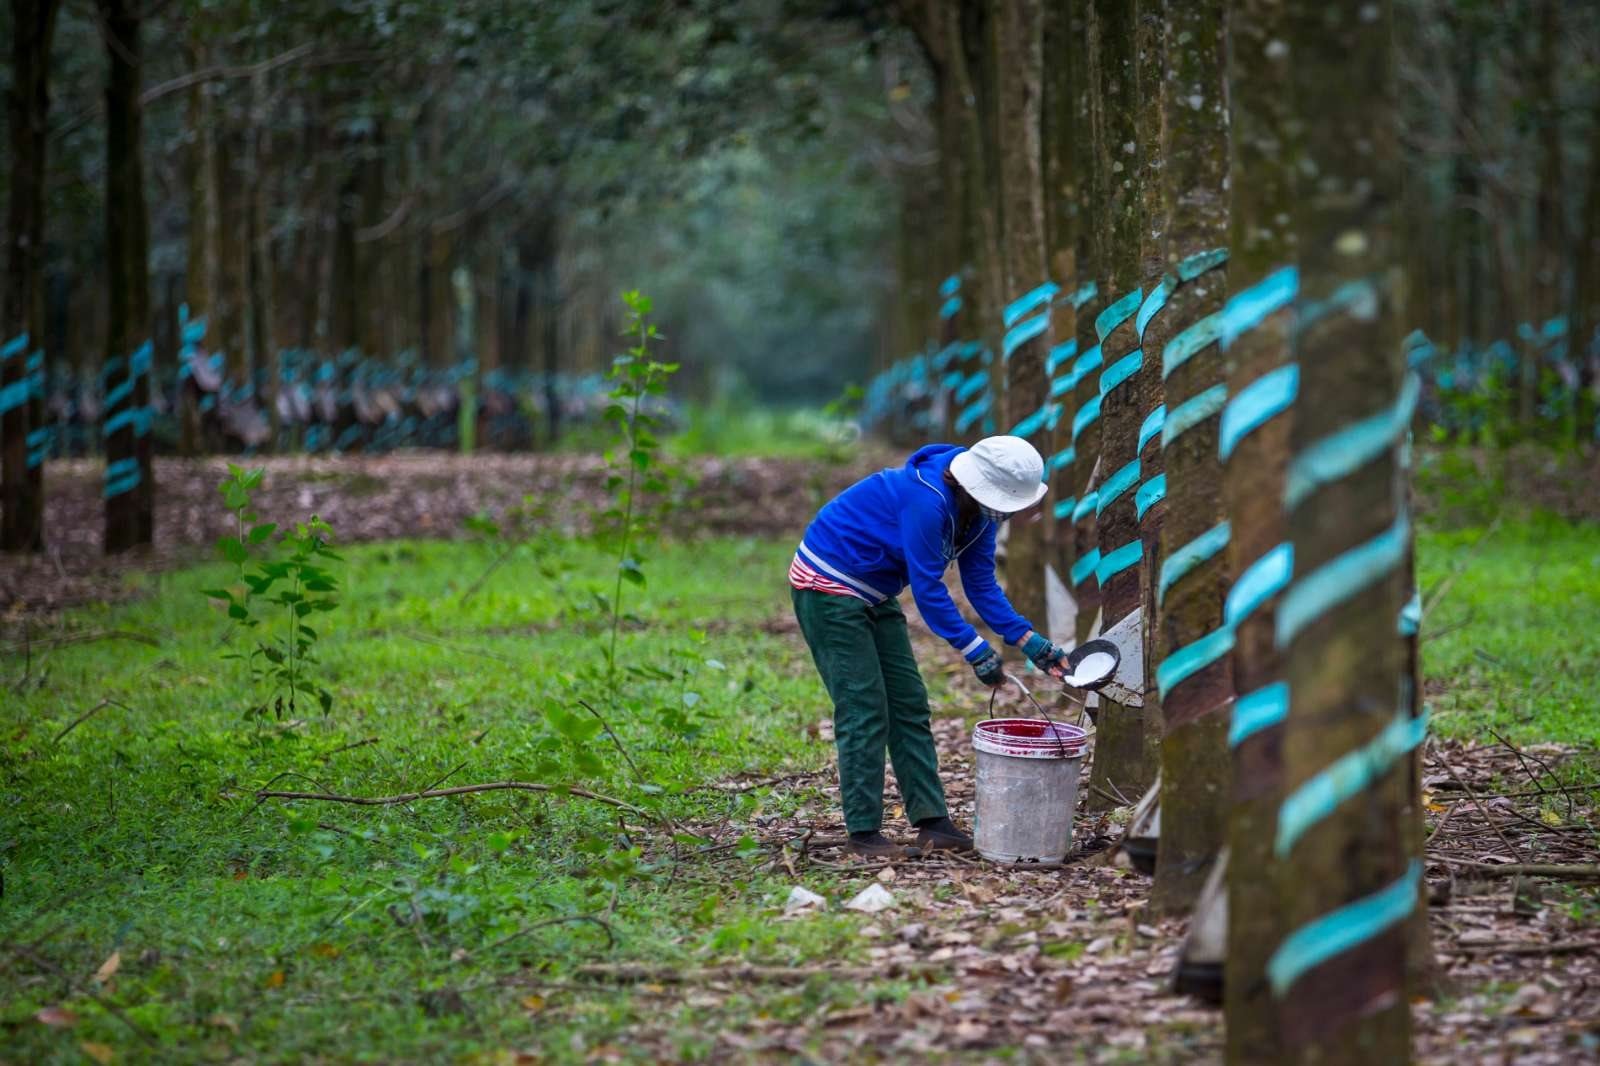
{"points": [[274, 979], [101, 1053], [109, 967], [56, 1017]]}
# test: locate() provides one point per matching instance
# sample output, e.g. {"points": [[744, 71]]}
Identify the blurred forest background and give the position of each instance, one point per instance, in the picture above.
{"points": [[426, 183]]}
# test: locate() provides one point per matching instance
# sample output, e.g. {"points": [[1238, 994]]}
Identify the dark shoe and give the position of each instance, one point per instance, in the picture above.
{"points": [[941, 834], [874, 845]]}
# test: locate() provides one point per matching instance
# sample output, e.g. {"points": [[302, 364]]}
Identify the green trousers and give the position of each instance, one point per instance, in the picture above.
{"points": [[863, 653]]}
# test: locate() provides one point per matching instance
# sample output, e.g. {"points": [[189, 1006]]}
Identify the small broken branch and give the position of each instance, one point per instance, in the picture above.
{"points": [[458, 790], [81, 638], [1565, 947], [1585, 871], [86, 715], [635, 973]]}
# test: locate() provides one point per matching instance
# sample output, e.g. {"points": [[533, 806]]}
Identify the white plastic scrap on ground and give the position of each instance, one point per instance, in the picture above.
{"points": [[803, 899], [871, 900]]}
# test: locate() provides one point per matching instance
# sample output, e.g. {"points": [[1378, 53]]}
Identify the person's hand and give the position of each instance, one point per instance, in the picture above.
{"points": [[1051, 658], [990, 670]]}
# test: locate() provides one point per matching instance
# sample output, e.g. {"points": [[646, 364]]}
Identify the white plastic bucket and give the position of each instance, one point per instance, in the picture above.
{"points": [[1027, 789]]}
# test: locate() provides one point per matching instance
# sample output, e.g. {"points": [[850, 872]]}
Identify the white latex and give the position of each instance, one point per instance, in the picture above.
{"points": [[1092, 668]]}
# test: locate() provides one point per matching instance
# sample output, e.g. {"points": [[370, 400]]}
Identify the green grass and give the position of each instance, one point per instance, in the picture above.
{"points": [[1514, 643], [410, 933], [317, 930]]}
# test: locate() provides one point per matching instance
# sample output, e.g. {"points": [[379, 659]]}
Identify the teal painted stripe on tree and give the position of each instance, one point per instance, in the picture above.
{"points": [[1116, 314], [1342, 929], [1115, 562], [1262, 709], [1116, 485], [1191, 555], [1151, 426], [1121, 371], [1261, 580], [1341, 579], [1249, 307], [1186, 345], [1026, 304], [1150, 493], [1192, 658], [1257, 403], [1341, 454], [1348, 775], [1191, 412], [1084, 568]]}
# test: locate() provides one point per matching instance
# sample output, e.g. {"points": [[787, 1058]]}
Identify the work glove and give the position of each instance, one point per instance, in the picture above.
{"points": [[1051, 658], [990, 670]]}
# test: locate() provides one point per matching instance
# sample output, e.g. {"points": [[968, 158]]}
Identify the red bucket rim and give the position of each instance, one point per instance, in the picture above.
{"points": [[1033, 737]]}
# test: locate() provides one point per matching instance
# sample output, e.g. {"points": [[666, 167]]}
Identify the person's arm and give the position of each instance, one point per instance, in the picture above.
{"points": [[922, 527], [985, 594]]}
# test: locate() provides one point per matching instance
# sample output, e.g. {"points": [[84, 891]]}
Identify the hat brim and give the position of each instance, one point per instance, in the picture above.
{"points": [[964, 467]]}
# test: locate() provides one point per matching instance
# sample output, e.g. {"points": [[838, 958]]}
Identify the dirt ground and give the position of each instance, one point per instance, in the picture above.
{"points": [[380, 497], [1517, 971]]}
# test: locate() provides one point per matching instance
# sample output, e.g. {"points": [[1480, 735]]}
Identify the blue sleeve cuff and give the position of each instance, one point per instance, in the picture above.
{"points": [[975, 649]]}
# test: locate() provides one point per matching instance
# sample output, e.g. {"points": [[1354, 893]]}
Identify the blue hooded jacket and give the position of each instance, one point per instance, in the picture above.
{"points": [[898, 527]]}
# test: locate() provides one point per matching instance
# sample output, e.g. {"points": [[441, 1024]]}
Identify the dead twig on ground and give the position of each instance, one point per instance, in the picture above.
{"points": [[86, 715], [615, 740], [1464, 561], [1522, 759], [569, 919], [436, 642], [459, 790], [88, 637], [1584, 871], [1476, 802], [636, 973], [1565, 947]]}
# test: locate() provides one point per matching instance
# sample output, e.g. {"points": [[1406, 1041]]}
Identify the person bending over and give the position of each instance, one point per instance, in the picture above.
{"points": [[906, 526]]}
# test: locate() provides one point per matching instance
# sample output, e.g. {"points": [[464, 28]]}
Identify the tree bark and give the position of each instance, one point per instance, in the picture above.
{"points": [[1017, 26], [24, 437], [1190, 639], [1346, 998], [1261, 245], [1082, 431], [129, 489], [1120, 763], [1060, 138]]}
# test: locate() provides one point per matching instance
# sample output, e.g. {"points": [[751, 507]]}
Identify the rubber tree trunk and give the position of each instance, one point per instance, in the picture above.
{"points": [[1585, 315], [1077, 433], [1151, 45], [129, 486], [962, 30], [1194, 676], [1017, 28], [200, 265], [1119, 388], [1254, 453], [24, 438], [1346, 853], [1060, 138], [1548, 281]]}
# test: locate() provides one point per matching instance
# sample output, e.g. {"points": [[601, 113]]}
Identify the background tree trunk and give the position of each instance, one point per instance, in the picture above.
{"points": [[1120, 763], [1063, 29], [1193, 668], [1346, 999], [1017, 26], [1262, 250], [129, 489], [23, 434]]}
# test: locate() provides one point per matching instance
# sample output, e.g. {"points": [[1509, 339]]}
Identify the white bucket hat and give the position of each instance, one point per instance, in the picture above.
{"points": [[1004, 474]]}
